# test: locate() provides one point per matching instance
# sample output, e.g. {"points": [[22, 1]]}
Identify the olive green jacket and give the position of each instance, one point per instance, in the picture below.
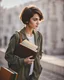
{"points": [[17, 63]]}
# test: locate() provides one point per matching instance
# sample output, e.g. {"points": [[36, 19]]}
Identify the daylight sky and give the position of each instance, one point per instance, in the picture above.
{"points": [[12, 3]]}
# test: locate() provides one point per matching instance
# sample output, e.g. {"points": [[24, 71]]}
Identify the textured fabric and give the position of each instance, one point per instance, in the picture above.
{"points": [[31, 68], [16, 63], [31, 39]]}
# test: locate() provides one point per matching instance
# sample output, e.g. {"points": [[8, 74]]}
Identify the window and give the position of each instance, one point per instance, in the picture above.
{"points": [[0, 42], [9, 19], [5, 40]]}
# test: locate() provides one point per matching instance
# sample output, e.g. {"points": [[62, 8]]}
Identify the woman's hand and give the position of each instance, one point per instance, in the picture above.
{"points": [[28, 60]]}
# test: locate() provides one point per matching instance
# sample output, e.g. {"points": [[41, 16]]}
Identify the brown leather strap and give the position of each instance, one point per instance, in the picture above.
{"points": [[20, 35]]}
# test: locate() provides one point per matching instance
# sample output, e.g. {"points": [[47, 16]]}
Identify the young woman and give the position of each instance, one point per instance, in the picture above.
{"points": [[27, 68]]}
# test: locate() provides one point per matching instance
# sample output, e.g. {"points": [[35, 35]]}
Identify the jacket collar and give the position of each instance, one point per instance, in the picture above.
{"points": [[23, 33]]}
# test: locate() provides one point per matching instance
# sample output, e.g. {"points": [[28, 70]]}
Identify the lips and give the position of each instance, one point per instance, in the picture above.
{"points": [[37, 26]]}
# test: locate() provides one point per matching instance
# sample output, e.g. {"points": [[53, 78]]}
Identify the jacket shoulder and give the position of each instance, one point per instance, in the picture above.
{"points": [[39, 34], [15, 36]]}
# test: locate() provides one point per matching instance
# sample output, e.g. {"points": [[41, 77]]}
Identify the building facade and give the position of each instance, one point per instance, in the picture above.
{"points": [[52, 28]]}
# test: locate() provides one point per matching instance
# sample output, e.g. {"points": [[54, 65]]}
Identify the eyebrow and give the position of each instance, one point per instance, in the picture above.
{"points": [[36, 18]]}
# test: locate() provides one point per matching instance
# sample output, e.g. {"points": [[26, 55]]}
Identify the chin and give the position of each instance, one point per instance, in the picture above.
{"points": [[35, 28]]}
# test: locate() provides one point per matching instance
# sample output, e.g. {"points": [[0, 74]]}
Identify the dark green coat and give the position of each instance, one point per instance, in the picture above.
{"points": [[17, 63]]}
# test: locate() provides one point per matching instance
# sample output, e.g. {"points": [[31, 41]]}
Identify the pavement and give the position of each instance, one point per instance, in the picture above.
{"points": [[3, 62], [53, 66]]}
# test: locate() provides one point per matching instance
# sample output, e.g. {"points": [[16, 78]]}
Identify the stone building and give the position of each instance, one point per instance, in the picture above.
{"points": [[52, 28]]}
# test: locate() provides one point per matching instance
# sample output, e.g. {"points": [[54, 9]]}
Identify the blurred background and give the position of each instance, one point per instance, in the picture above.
{"points": [[52, 28]]}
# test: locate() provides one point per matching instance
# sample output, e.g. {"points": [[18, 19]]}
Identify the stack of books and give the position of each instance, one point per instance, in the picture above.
{"points": [[26, 49], [8, 74]]}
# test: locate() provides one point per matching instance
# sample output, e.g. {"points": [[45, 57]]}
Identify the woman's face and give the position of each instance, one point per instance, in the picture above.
{"points": [[34, 21]]}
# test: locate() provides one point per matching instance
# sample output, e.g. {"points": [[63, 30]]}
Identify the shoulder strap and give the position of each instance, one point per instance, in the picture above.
{"points": [[18, 37]]}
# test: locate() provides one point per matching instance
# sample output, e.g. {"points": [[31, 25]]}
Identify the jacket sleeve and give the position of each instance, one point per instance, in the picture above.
{"points": [[9, 54], [37, 65], [40, 44]]}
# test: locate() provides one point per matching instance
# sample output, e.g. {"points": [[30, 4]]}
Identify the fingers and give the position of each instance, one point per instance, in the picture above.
{"points": [[28, 60], [30, 57]]}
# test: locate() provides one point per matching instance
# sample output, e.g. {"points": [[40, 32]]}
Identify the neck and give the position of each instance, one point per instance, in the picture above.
{"points": [[29, 30]]}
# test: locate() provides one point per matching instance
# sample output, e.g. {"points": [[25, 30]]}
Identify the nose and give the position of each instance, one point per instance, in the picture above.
{"points": [[38, 22]]}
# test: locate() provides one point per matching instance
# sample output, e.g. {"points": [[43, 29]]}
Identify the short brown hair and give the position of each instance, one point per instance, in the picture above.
{"points": [[29, 12]]}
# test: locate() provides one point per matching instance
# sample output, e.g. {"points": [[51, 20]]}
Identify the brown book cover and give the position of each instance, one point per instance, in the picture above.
{"points": [[8, 74], [26, 49]]}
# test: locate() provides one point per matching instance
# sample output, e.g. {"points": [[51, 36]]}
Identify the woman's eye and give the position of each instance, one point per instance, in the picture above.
{"points": [[35, 19]]}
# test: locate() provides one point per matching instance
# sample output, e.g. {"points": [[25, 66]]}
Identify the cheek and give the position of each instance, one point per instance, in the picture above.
{"points": [[33, 23]]}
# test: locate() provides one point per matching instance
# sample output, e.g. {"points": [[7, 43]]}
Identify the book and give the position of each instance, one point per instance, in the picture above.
{"points": [[26, 49], [8, 74]]}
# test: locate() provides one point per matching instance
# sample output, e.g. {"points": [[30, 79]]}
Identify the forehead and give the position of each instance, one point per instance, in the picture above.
{"points": [[36, 16]]}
